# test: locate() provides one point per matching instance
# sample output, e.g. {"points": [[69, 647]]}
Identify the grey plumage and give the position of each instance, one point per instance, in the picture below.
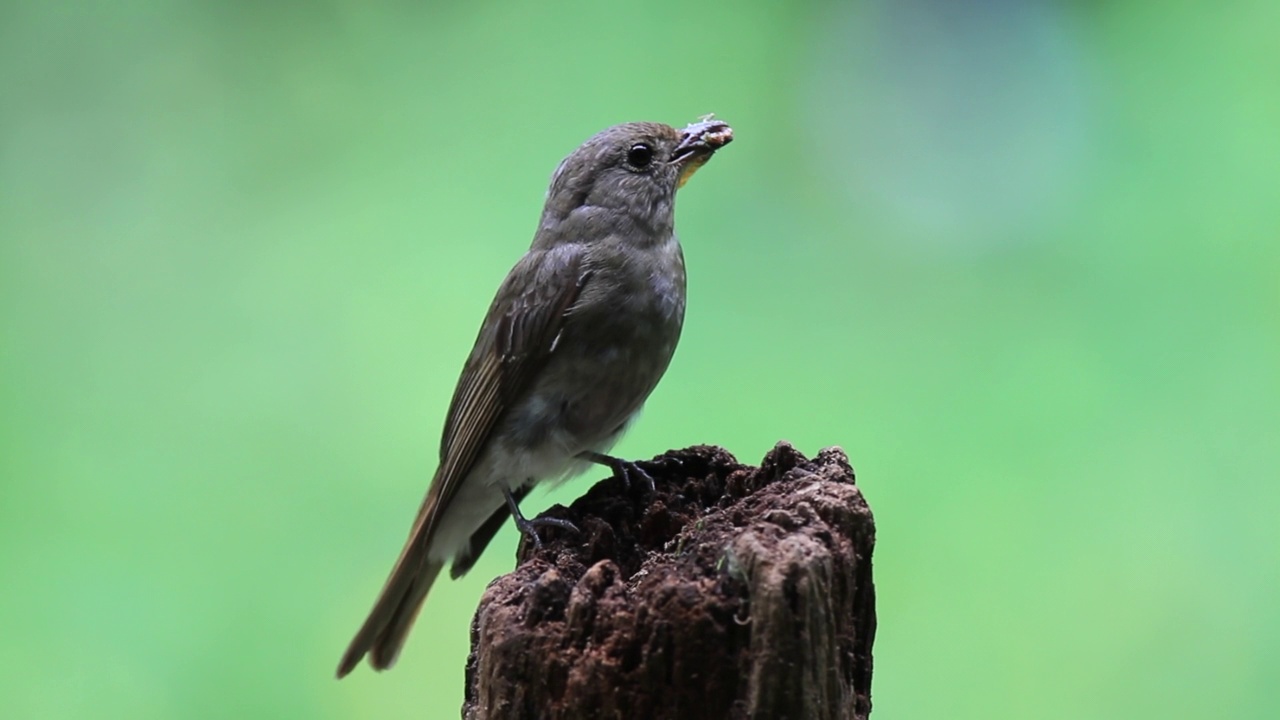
{"points": [[576, 338]]}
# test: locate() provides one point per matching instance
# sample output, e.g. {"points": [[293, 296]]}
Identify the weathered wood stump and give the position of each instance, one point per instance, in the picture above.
{"points": [[732, 592]]}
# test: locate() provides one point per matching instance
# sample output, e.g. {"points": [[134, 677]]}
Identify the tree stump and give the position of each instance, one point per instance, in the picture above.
{"points": [[731, 592]]}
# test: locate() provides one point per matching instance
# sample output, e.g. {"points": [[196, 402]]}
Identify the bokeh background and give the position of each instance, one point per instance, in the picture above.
{"points": [[1020, 259]]}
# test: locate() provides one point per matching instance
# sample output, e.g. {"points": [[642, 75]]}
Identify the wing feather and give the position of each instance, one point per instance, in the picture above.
{"points": [[524, 332], [518, 335]]}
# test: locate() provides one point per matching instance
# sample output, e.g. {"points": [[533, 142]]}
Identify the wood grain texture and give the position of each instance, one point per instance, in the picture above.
{"points": [[732, 592]]}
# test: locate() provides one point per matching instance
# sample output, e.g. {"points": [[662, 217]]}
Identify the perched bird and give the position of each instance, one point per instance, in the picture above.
{"points": [[576, 338]]}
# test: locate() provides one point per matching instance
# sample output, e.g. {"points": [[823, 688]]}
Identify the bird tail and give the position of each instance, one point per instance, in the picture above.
{"points": [[388, 624]]}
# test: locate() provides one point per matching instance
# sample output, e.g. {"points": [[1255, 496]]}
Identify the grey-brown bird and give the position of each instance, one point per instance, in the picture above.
{"points": [[576, 338]]}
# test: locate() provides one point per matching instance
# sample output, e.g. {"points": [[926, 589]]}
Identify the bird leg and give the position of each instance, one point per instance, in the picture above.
{"points": [[530, 527], [624, 470]]}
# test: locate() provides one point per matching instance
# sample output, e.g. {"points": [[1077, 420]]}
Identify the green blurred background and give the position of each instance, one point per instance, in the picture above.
{"points": [[1020, 259]]}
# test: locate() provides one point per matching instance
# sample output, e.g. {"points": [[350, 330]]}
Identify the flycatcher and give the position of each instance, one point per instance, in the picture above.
{"points": [[576, 338]]}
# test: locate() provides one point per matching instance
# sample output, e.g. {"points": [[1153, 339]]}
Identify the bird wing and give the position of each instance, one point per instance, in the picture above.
{"points": [[518, 335]]}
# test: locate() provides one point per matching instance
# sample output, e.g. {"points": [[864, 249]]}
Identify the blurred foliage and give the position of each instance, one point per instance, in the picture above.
{"points": [[1020, 259]]}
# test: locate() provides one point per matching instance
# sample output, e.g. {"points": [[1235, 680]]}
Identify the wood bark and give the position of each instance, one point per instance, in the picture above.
{"points": [[730, 592]]}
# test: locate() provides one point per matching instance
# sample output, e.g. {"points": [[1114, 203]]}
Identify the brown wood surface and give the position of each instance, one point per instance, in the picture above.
{"points": [[731, 592]]}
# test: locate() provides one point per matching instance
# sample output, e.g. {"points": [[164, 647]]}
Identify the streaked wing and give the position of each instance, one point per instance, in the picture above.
{"points": [[517, 336]]}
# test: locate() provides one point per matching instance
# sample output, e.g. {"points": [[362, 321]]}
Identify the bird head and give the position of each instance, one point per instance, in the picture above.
{"points": [[633, 170]]}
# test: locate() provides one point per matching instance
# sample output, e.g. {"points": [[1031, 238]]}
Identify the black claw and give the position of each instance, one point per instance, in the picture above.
{"points": [[624, 470], [630, 469], [672, 460], [529, 528]]}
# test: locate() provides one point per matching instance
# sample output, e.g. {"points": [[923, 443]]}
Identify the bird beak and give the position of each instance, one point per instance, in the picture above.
{"points": [[697, 143]]}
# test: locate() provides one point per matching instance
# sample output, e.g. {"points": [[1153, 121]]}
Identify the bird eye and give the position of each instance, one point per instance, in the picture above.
{"points": [[640, 155]]}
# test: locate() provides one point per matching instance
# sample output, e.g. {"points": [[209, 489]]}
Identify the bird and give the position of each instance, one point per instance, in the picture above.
{"points": [[576, 338]]}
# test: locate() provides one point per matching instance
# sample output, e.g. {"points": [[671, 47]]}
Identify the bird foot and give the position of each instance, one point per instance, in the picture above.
{"points": [[624, 470], [529, 528]]}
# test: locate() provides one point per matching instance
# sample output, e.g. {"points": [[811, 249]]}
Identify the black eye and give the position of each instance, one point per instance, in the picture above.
{"points": [[640, 155]]}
